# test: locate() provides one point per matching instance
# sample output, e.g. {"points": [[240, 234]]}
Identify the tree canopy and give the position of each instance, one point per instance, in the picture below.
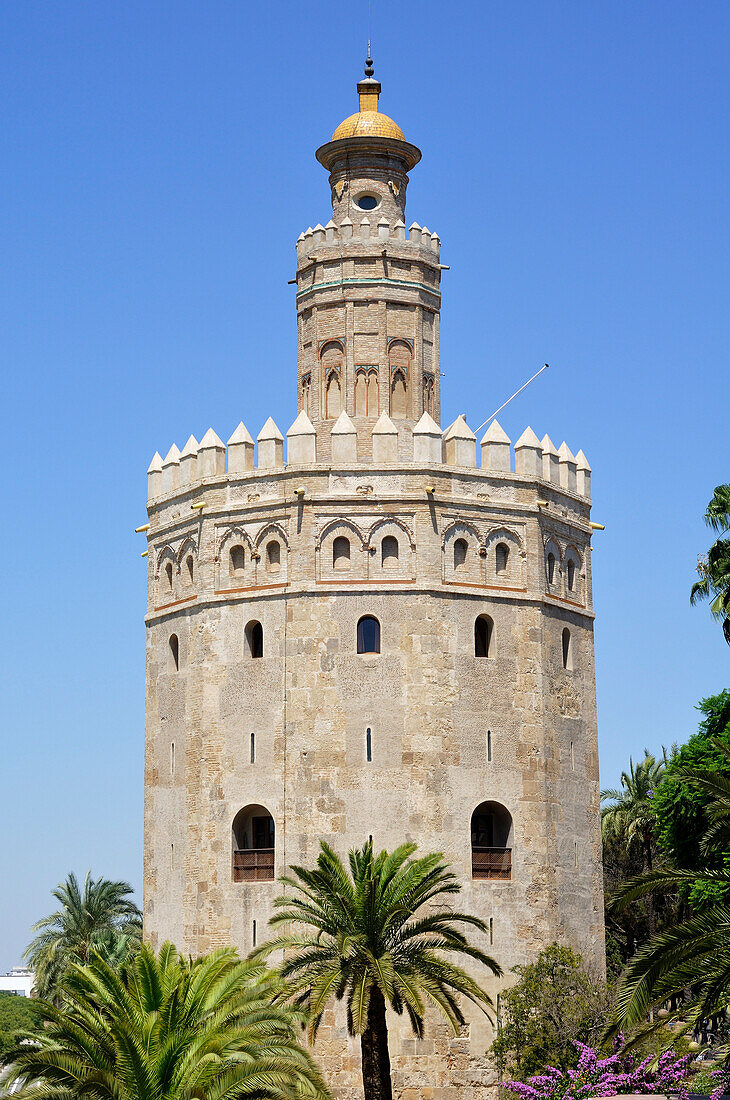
{"points": [[16, 1014]]}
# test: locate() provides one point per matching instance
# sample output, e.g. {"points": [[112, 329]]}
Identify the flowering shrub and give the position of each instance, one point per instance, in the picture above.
{"points": [[721, 1080], [617, 1074]]}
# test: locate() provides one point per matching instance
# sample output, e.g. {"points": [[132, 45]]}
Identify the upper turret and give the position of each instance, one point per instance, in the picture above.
{"points": [[368, 160]]}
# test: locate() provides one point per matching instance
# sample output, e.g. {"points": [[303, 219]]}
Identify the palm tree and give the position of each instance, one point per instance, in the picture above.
{"points": [[96, 918], [166, 1028], [629, 816], [714, 567], [374, 937], [690, 962]]}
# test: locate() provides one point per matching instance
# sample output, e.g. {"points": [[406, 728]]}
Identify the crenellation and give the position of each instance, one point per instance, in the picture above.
{"points": [[550, 461], [270, 446], [171, 470], [240, 451], [189, 462], [211, 455], [528, 454], [568, 469]]}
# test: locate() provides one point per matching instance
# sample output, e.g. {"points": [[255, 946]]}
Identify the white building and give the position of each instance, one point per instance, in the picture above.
{"points": [[18, 980]]}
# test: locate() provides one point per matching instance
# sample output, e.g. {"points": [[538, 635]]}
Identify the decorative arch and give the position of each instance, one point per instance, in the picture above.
{"points": [[187, 560], [400, 355], [332, 357], [492, 834], [272, 532], [553, 565], [234, 567], [512, 571], [462, 553], [341, 528], [389, 527], [572, 574], [367, 397], [429, 386], [166, 574]]}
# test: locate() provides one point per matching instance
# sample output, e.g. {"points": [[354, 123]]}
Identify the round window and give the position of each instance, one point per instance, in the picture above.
{"points": [[367, 202]]}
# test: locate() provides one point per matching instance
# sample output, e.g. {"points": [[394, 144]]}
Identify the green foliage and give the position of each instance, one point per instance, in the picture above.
{"points": [[554, 1001], [98, 918], [16, 1015], [689, 963], [166, 1028], [714, 568], [377, 935], [681, 808]]}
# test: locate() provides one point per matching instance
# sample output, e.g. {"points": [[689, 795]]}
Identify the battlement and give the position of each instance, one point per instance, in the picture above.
{"points": [[379, 229], [456, 448]]}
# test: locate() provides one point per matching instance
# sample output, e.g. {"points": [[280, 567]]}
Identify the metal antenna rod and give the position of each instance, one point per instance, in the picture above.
{"points": [[511, 398]]}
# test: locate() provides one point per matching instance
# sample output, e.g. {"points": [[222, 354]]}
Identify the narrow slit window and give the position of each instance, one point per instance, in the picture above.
{"points": [[491, 930], [253, 748], [168, 572], [551, 568], [567, 649], [190, 568], [172, 857], [571, 575], [502, 558], [172, 758], [253, 933], [489, 746], [575, 853], [174, 653], [483, 632], [572, 757], [369, 746]]}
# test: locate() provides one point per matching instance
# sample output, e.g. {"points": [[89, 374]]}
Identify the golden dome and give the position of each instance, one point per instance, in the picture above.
{"points": [[368, 124]]}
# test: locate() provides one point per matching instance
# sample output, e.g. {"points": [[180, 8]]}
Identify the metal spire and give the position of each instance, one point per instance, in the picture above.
{"points": [[369, 69]]}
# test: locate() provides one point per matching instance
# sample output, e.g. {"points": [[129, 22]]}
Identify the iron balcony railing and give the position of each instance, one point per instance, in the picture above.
{"points": [[253, 865], [491, 862]]}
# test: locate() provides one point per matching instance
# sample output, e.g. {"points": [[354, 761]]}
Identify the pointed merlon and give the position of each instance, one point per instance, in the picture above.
{"points": [[583, 475], [270, 431], [241, 435], [171, 470], [427, 441], [495, 433], [154, 476], [155, 466], [211, 455], [344, 440], [271, 446], [550, 468], [460, 444], [528, 454], [240, 451], [385, 441], [172, 458], [495, 446], [301, 441], [343, 425], [568, 471], [189, 461]]}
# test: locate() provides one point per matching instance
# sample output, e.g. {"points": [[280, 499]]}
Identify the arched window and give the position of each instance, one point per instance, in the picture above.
{"points": [[361, 393], [389, 552], [483, 630], [571, 574], [168, 574], [491, 842], [273, 556], [306, 387], [341, 553], [254, 635], [373, 395], [332, 358], [368, 635], [461, 548], [174, 653], [253, 845], [567, 649], [190, 568], [551, 568], [236, 561], [399, 362], [428, 386], [501, 557]]}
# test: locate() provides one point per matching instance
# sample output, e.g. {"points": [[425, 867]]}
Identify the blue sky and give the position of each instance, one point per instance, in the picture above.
{"points": [[159, 165]]}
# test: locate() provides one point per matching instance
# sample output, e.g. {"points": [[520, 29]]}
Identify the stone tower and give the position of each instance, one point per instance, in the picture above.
{"points": [[376, 637]]}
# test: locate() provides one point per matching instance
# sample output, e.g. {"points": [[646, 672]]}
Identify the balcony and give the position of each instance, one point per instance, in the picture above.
{"points": [[491, 863], [253, 865]]}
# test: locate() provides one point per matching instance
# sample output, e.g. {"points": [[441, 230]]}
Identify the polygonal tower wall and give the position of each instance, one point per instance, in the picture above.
{"points": [[401, 744], [426, 698]]}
